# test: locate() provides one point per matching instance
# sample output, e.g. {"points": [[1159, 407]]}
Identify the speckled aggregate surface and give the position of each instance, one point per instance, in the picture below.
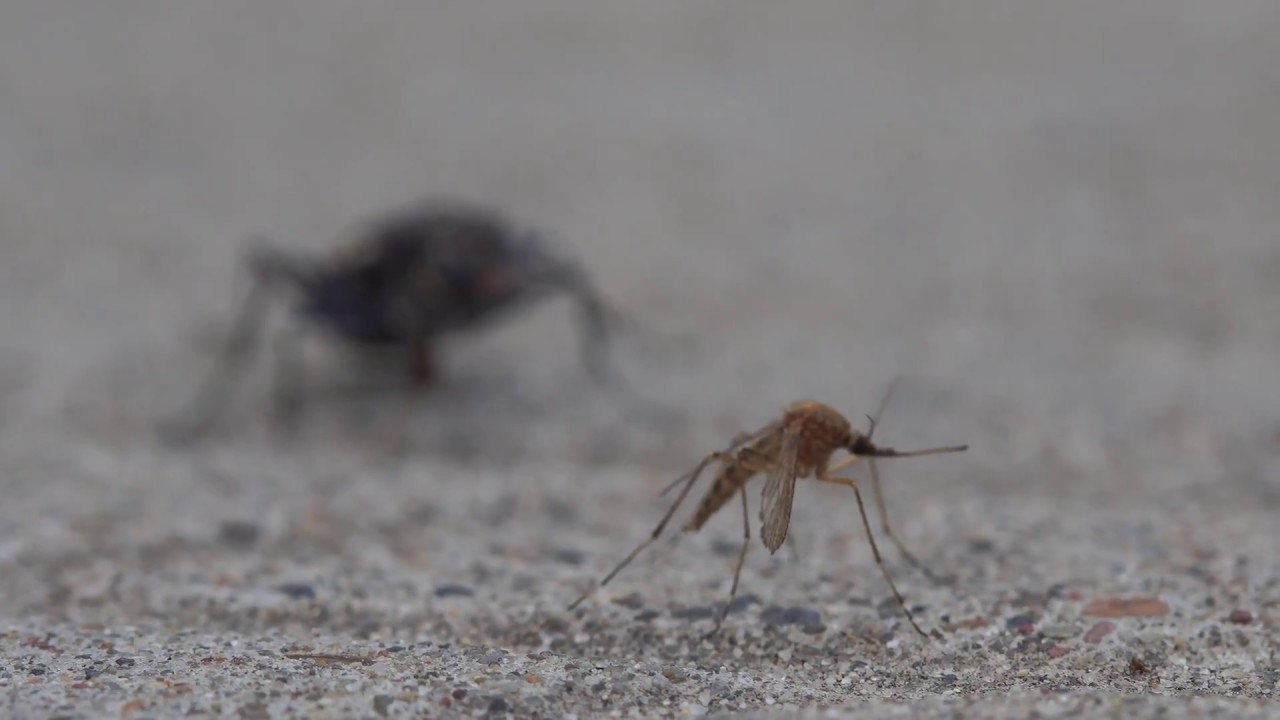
{"points": [[1056, 223]]}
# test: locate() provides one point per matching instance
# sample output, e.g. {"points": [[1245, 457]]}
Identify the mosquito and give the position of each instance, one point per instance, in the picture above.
{"points": [[402, 284], [795, 446]]}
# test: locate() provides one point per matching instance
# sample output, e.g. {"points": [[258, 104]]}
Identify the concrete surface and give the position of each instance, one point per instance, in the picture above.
{"points": [[1057, 220]]}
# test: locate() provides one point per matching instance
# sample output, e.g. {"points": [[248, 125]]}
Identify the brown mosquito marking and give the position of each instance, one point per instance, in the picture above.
{"points": [[732, 478], [798, 445]]}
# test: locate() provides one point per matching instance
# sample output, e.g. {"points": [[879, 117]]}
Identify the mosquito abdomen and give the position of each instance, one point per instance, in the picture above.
{"points": [[727, 483]]}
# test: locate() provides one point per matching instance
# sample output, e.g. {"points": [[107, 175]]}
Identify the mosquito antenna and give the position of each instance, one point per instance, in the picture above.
{"points": [[863, 446], [884, 404]]}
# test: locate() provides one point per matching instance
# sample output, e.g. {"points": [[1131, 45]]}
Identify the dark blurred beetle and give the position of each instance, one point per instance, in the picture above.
{"points": [[407, 280]]}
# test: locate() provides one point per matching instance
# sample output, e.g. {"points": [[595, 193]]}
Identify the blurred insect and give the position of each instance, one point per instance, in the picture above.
{"points": [[798, 445], [406, 281]]}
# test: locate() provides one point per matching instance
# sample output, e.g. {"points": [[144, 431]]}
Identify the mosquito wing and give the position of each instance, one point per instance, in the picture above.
{"points": [[779, 490]]}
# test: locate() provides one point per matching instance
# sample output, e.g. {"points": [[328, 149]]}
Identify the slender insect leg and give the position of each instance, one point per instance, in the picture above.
{"points": [[875, 551], [289, 381], [212, 397], [422, 363], [657, 531], [737, 571], [888, 531], [884, 515], [875, 487], [597, 323]]}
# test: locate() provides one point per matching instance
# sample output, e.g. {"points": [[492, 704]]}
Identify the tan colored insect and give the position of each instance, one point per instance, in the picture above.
{"points": [[798, 445]]}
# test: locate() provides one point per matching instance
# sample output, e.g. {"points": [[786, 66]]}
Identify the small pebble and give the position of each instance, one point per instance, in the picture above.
{"points": [[1060, 632], [981, 545], [498, 705], [367, 628], [1058, 651], [805, 617], [561, 512], [555, 625], [382, 704], [297, 591], [742, 602], [701, 612], [634, 601], [567, 556], [1099, 631], [726, 549], [1127, 607], [973, 623], [1240, 616], [238, 533], [1019, 621], [454, 591], [674, 674]]}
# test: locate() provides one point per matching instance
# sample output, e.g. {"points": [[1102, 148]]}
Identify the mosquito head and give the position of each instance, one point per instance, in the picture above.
{"points": [[861, 445]]}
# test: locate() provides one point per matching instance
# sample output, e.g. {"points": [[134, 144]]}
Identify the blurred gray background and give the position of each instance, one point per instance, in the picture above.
{"points": [[1057, 220]]}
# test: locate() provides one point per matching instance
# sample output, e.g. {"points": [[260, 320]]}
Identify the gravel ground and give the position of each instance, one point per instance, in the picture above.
{"points": [[1056, 223]]}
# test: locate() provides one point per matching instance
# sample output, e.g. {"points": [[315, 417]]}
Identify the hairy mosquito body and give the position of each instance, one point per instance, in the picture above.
{"points": [[798, 445], [404, 283]]}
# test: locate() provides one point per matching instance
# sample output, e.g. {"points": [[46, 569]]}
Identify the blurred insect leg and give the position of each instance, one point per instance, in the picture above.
{"points": [[290, 383], [596, 340], [598, 320], [423, 369], [888, 531], [212, 398], [657, 531], [599, 325], [875, 551], [604, 323], [737, 570]]}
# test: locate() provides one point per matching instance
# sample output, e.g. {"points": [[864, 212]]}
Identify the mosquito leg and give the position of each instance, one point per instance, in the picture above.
{"points": [[688, 481], [212, 397], [423, 369], [843, 464], [289, 381], [875, 551], [888, 531], [597, 322], [737, 571]]}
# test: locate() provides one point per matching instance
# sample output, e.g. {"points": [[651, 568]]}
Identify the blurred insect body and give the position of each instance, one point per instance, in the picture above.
{"points": [[405, 282], [798, 445]]}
